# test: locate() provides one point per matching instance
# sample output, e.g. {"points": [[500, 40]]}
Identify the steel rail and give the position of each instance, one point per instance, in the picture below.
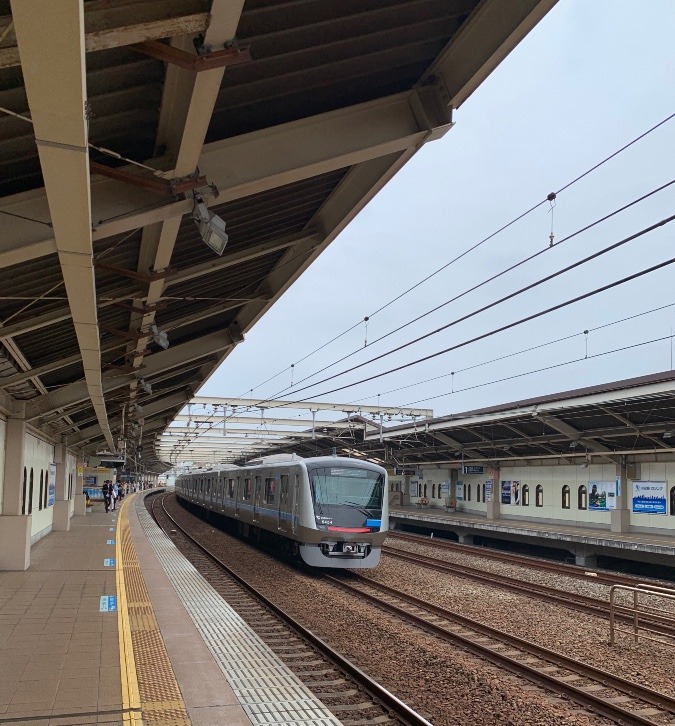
{"points": [[389, 701], [592, 605], [559, 684], [606, 578]]}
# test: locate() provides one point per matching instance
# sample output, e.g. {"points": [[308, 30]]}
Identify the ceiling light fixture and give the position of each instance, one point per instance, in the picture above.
{"points": [[211, 226], [159, 336]]}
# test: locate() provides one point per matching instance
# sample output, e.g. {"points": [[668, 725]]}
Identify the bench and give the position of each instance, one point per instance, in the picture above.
{"points": [[423, 502]]}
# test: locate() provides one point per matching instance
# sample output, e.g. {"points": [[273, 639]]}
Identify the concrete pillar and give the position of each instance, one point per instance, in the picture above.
{"points": [[493, 503], [15, 527], [620, 517], [80, 498], [61, 517], [585, 558]]}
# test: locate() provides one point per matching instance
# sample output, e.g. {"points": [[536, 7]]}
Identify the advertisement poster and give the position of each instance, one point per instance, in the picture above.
{"points": [[445, 488], [602, 495], [506, 492], [51, 485], [459, 491], [649, 497], [515, 492], [488, 490]]}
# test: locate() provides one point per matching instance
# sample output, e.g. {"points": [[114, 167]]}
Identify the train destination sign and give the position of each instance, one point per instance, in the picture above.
{"points": [[473, 469]]}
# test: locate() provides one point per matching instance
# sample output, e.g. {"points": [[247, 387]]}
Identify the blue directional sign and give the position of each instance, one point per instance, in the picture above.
{"points": [[108, 604], [109, 562], [111, 541]]}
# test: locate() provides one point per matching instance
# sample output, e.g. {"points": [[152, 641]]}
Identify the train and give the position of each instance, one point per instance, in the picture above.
{"points": [[328, 512]]}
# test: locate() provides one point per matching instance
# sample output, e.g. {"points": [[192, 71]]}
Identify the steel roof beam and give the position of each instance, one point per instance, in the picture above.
{"points": [[160, 362], [392, 127], [117, 23], [57, 98], [482, 43]]}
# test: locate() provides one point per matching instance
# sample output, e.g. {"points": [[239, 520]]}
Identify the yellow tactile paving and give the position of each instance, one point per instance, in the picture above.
{"points": [[149, 688]]}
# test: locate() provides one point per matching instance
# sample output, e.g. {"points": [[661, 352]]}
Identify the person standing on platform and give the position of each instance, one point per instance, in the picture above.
{"points": [[106, 495], [115, 494]]}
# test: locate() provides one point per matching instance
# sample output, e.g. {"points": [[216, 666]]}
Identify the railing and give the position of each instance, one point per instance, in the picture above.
{"points": [[635, 610]]}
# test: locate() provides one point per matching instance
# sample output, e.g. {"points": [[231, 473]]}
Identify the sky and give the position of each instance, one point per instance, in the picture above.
{"points": [[590, 77]]}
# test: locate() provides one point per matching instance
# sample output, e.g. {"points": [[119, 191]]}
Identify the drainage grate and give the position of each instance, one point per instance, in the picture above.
{"points": [[267, 689]]}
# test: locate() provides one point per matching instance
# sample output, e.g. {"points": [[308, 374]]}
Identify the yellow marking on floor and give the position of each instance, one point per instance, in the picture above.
{"points": [[149, 683], [131, 702]]}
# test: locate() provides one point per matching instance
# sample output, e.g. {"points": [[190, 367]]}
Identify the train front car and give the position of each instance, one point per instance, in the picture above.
{"points": [[351, 513]]}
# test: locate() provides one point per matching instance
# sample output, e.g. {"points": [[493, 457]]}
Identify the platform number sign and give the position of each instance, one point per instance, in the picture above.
{"points": [[108, 604]]}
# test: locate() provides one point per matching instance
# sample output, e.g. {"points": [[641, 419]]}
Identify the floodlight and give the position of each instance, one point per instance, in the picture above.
{"points": [[144, 386], [211, 226], [159, 336]]}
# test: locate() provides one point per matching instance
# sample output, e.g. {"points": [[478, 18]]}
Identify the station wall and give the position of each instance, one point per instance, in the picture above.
{"points": [[556, 494], [38, 455]]}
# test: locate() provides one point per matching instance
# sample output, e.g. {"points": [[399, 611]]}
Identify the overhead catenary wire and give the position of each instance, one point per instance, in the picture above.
{"points": [[470, 249], [499, 301], [500, 358], [481, 284], [494, 331], [550, 367]]}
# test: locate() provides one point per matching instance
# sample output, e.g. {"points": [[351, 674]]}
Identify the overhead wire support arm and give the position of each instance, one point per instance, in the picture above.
{"points": [[165, 187], [207, 61]]}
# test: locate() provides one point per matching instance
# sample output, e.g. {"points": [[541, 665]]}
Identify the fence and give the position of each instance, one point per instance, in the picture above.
{"points": [[637, 609]]}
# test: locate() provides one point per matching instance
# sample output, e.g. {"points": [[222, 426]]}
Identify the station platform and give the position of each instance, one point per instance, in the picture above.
{"points": [[112, 625], [585, 544]]}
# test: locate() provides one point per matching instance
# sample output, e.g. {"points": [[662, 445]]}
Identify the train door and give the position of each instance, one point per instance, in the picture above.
{"points": [[237, 497], [283, 511], [257, 494], [296, 503]]}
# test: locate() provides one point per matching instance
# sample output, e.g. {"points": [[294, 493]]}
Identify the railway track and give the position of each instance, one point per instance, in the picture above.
{"points": [[559, 568], [620, 700], [349, 693], [661, 625]]}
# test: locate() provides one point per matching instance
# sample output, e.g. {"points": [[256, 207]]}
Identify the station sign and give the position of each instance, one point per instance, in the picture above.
{"points": [[400, 471], [474, 469], [108, 604]]}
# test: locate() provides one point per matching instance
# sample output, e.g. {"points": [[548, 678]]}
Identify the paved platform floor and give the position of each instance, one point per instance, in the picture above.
{"points": [[64, 660], [648, 542]]}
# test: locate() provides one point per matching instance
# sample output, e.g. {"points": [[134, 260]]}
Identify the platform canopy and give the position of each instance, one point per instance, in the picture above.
{"points": [[120, 122], [632, 419]]}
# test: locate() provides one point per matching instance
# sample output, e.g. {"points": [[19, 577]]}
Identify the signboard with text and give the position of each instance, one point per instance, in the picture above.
{"points": [[51, 485], [473, 469], [649, 497]]}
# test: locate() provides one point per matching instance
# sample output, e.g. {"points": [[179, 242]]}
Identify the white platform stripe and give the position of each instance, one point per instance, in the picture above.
{"points": [[267, 689]]}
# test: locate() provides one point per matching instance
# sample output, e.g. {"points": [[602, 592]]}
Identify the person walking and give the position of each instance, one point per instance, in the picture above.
{"points": [[106, 495]]}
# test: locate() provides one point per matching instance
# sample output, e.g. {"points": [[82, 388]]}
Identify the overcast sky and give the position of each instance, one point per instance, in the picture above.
{"points": [[590, 77]]}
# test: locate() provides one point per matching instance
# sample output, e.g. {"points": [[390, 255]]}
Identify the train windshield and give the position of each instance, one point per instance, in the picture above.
{"points": [[347, 497]]}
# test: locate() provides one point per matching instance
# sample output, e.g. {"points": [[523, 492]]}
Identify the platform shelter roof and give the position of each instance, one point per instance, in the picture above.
{"points": [[118, 118]]}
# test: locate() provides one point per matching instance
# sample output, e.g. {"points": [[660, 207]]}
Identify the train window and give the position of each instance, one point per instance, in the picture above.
{"points": [[525, 496], [247, 488], [270, 490], [539, 496], [284, 489], [230, 488], [565, 497], [582, 497]]}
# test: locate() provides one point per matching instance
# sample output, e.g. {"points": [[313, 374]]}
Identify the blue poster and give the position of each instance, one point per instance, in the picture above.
{"points": [[506, 492], [649, 497], [51, 485]]}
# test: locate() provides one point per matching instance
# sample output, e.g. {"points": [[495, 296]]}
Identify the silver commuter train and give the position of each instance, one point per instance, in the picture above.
{"points": [[328, 511]]}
